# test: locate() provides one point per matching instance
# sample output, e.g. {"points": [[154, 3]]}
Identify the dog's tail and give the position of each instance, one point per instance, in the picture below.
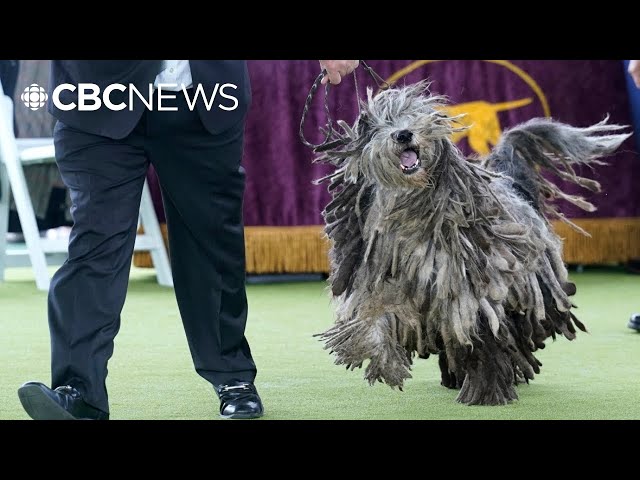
{"points": [[542, 145]]}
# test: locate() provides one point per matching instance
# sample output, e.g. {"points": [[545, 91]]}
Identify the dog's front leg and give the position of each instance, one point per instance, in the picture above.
{"points": [[490, 374], [375, 339], [450, 378], [381, 329], [390, 360]]}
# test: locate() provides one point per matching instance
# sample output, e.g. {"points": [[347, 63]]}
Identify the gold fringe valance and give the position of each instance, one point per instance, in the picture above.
{"points": [[613, 240], [303, 249]]}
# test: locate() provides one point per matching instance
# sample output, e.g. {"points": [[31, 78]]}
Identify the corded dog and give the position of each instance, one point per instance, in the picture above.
{"points": [[436, 253]]}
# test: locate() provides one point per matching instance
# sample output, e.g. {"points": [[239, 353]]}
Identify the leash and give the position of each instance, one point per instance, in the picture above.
{"points": [[326, 143]]}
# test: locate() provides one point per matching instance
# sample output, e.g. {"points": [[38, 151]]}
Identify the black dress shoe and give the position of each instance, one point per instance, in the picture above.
{"points": [[239, 400], [634, 322], [63, 403]]}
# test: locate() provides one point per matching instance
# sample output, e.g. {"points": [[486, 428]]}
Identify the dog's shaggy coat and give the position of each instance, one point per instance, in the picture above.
{"points": [[434, 253]]}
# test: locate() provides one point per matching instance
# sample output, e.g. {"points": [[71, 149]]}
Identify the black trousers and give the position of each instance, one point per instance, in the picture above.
{"points": [[203, 185]]}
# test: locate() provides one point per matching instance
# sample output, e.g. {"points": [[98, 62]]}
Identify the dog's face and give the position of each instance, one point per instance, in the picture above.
{"points": [[403, 137]]}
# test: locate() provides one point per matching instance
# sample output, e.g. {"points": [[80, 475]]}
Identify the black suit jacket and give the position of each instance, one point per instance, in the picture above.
{"points": [[141, 73], [8, 76]]}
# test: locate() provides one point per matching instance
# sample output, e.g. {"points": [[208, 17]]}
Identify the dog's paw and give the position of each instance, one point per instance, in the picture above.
{"points": [[479, 393]]}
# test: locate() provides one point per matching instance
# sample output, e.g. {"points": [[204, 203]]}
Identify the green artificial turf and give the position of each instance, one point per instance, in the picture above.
{"points": [[151, 376]]}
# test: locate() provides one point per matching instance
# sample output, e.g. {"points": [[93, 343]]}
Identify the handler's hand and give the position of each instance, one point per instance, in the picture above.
{"points": [[336, 69], [634, 71]]}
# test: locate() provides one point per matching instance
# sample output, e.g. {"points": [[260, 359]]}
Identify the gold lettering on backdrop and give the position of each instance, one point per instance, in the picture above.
{"points": [[481, 117]]}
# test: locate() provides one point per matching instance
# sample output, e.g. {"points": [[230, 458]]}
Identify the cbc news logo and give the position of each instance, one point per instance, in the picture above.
{"points": [[89, 97], [34, 96]]}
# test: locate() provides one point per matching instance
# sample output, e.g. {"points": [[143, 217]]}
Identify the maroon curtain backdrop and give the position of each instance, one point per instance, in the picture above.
{"points": [[279, 168]]}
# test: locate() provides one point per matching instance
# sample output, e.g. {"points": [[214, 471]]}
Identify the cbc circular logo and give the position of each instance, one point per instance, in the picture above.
{"points": [[34, 96]]}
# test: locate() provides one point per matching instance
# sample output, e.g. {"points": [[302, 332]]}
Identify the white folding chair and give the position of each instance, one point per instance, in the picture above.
{"points": [[14, 154]]}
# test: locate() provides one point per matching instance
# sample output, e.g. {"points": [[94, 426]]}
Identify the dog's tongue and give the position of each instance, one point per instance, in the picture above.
{"points": [[408, 158]]}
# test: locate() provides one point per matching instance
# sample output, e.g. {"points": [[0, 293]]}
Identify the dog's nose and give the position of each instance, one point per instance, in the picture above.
{"points": [[403, 136]]}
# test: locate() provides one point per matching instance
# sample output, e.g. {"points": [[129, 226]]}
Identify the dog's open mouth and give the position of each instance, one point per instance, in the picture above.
{"points": [[409, 161]]}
